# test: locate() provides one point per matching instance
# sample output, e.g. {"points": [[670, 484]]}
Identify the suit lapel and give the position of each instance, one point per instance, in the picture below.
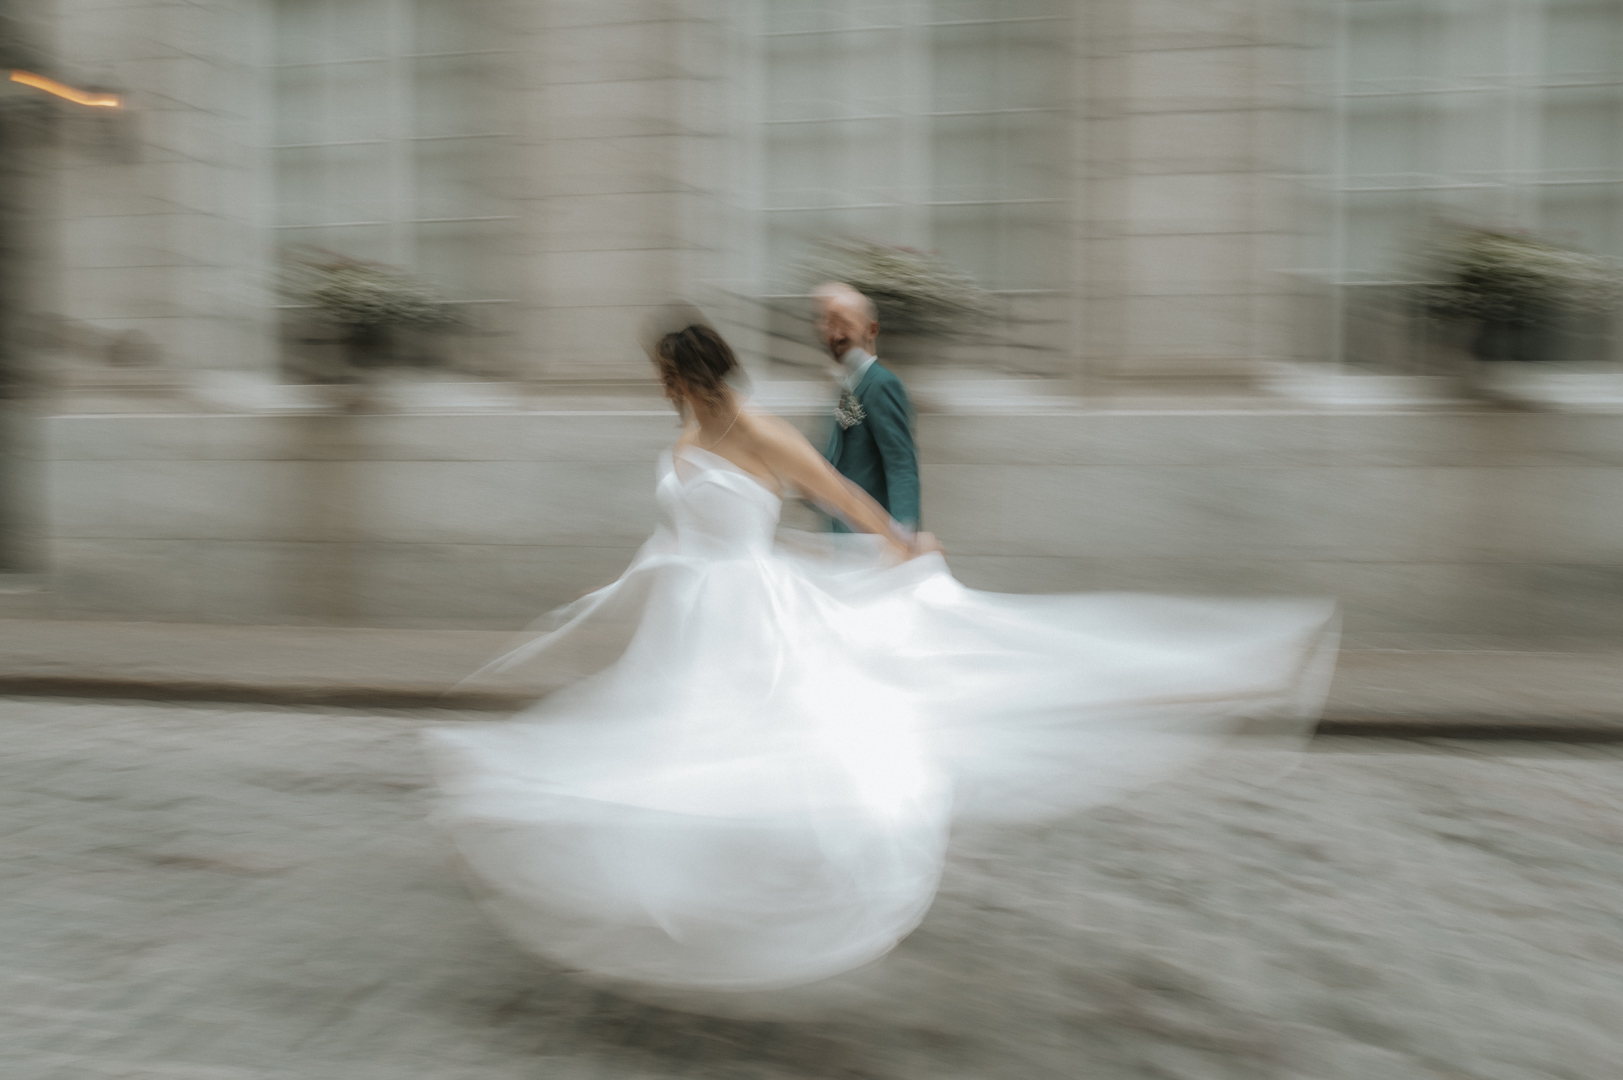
{"points": [[867, 377], [836, 437]]}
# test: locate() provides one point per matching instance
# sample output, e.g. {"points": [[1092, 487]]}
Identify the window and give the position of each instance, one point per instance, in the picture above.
{"points": [[388, 131], [1502, 113], [935, 124]]}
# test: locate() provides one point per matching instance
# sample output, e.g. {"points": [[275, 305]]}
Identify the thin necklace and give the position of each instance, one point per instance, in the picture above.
{"points": [[725, 433]]}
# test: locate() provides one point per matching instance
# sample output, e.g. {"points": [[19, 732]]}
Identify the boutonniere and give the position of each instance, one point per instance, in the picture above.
{"points": [[849, 411]]}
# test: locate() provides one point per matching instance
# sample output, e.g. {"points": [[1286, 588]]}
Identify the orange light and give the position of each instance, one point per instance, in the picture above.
{"points": [[78, 97]]}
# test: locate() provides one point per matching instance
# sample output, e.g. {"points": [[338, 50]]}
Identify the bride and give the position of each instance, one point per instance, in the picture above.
{"points": [[756, 792]]}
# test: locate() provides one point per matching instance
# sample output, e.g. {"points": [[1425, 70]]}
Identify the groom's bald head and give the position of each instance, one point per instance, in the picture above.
{"points": [[839, 294], [846, 319]]}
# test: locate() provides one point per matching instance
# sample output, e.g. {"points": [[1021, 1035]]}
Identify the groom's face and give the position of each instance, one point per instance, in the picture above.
{"points": [[843, 325]]}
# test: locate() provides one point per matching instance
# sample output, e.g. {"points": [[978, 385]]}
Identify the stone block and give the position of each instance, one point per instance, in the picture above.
{"points": [[645, 278], [207, 238], [1194, 24], [207, 30], [1424, 438], [129, 292], [156, 579], [633, 438], [1402, 513], [1207, 514], [136, 240], [558, 14], [180, 81], [992, 440], [609, 166], [1183, 265], [1209, 439], [113, 32], [461, 582], [1570, 438], [1205, 141], [633, 107], [1189, 326], [598, 333], [203, 187], [97, 189], [265, 581], [616, 222], [1189, 80], [126, 438], [445, 501], [1573, 601], [1190, 203], [504, 502], [611, 52], [1383, 598], [82, 498], [1564, 515], [1024, 574], [187, 132], [175, 499]]}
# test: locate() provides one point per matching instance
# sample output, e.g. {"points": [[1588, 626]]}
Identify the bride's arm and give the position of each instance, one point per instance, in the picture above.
{"points": [[788, 454]]}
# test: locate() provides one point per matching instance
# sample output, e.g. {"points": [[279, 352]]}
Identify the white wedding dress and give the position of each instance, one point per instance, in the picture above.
{"points": [[756, 792]]}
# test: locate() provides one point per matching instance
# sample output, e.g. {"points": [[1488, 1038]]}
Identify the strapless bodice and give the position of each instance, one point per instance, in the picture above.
{"points": [[710, 508]]}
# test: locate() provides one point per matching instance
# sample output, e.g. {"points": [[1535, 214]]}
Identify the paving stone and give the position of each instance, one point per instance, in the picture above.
{"points": [[249, 893]]}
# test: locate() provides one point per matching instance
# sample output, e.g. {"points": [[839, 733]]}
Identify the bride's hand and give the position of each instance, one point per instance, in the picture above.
{"points": [[925, 544], [896, 551], [902, 550]]}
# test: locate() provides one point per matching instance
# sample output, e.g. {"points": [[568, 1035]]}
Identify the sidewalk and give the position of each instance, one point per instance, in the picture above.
{"points": [[1548, 695]]}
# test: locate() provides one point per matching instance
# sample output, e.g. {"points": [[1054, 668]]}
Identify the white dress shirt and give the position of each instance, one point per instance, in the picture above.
{"points": [[853, 366]]}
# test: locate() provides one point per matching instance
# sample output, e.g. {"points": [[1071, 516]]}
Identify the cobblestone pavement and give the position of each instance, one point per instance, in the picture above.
{"points": [[209, 893]]}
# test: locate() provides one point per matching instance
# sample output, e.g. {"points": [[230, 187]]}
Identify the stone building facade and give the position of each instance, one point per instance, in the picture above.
{"points": [[1124, 176], [1193, 216]]}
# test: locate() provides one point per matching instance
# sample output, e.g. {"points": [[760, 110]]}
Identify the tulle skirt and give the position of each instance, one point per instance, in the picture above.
{"points": [[756, 790]]}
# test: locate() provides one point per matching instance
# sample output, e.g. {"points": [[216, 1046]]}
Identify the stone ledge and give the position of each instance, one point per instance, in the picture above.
{"points": [[1573, 696]]}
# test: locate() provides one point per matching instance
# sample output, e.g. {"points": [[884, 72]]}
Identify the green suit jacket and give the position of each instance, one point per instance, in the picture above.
{"points": [[876, 453]]}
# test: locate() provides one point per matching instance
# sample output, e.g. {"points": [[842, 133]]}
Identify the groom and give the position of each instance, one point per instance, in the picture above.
{"points": [[871, 441]]}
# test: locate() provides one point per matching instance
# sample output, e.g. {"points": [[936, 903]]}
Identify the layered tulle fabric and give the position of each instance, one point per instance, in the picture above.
{"points": [[757, 790]]}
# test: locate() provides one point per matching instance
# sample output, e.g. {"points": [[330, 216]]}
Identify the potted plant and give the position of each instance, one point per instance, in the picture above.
{"points": [[376, 309], [921, 297], [1523, 295]]}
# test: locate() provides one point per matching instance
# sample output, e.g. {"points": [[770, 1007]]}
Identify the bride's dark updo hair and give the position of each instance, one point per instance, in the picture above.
{"points": [[694, 362]]}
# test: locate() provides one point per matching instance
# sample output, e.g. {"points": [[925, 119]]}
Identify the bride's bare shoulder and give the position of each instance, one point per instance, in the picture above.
{"points": [[771, 430], [778, 441]]}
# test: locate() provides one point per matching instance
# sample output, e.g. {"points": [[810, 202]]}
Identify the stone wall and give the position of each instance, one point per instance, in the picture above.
{"points": [[1196, 128], [625, 181], [160, 210], [1479, 526], [623, 152]]}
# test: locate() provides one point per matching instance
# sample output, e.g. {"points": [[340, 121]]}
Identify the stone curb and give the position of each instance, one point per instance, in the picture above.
{"points": [[357, 696], [1537, 728], [1606, 728]]}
